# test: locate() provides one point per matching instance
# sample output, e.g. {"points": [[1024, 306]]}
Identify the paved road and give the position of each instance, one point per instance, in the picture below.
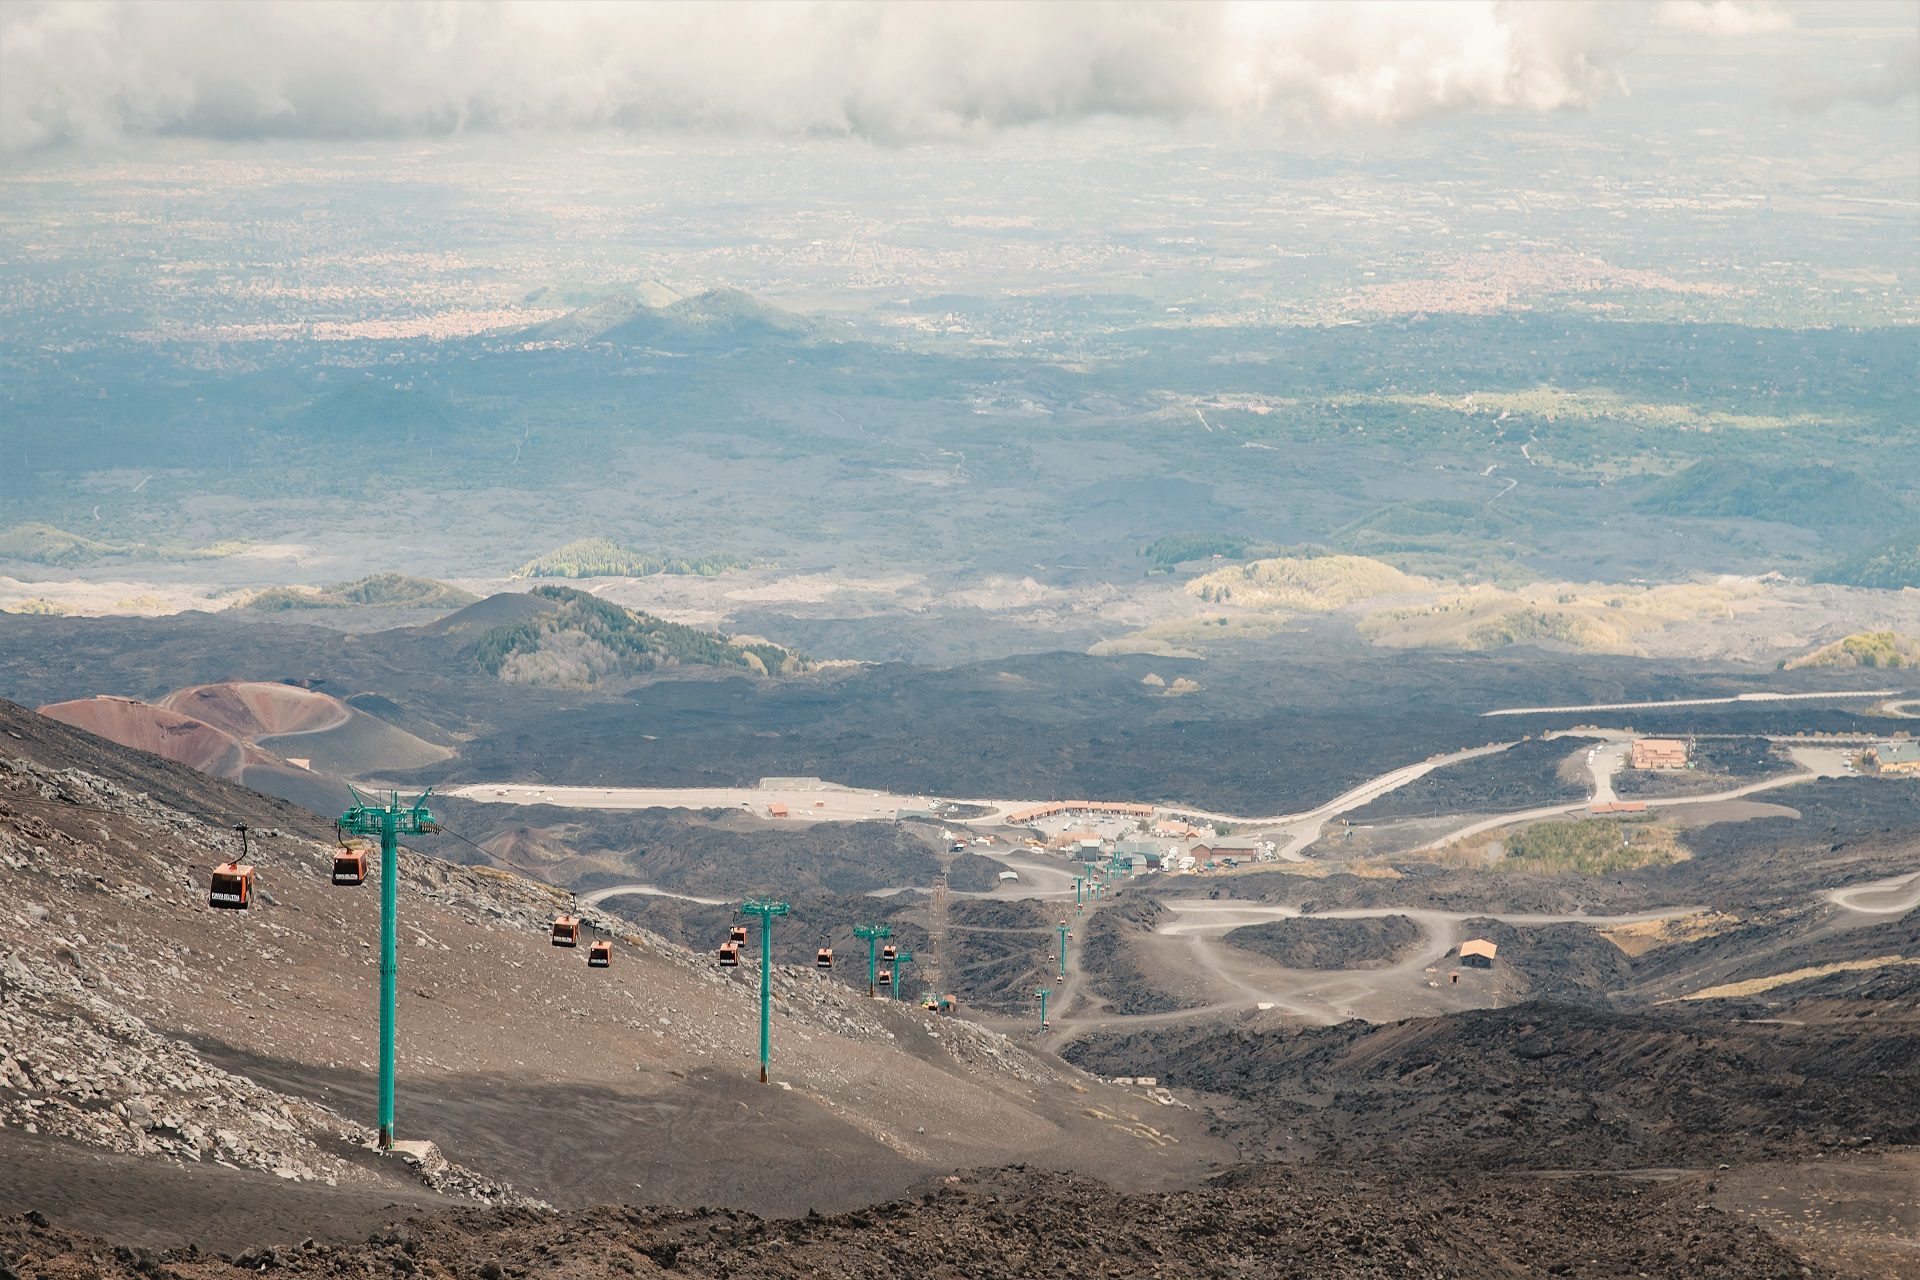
{"points": [[1814, 762], [847, 804], [1603, 762], [1350, 799], [828, 804], [1688, 702]]}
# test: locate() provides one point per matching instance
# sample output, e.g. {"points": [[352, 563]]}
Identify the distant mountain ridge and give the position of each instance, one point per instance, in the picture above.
{"points": [[715, 317]]}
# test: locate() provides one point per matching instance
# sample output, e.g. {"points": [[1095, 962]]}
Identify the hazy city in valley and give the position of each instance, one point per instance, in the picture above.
{"points": [[897, 640]]}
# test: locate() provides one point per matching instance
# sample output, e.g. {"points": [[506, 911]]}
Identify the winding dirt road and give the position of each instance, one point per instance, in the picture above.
{"points": [[1236, 980], [599, 896], [1892, 897]]}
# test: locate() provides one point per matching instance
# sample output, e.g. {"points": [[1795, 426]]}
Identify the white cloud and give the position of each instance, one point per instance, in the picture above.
{"points": [[1722, 17], [351, 68], [1884, 84]]}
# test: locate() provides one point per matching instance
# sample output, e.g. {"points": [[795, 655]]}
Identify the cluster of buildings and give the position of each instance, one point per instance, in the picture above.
{"points": [[1897, 757], [1662, 753], [1131, 838], [1198, 853]]}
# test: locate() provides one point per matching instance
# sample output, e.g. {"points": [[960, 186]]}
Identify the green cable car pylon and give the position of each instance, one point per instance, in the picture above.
{"points": [[389, 822], [766, 911], [1063, 948], [870, 934], [1041, 995], [900, 963]]}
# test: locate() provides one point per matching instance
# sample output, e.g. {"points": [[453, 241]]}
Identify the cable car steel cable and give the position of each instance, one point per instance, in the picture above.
{"points": [[232, 883]]}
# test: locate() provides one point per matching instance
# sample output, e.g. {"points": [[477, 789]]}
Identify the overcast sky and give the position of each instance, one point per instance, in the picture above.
{"points": [[108, 71]]}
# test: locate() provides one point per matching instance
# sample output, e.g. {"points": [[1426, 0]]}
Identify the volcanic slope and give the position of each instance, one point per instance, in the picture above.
{"points": [[141, 1023], [178, 1083], [1017, 1223], [1556, 1086]]}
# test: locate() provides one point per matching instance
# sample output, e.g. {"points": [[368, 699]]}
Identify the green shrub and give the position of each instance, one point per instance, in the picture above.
{"points": [[604, 558]]}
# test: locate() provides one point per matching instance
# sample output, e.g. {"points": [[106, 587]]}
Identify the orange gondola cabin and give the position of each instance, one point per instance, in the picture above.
{"points": [[737, 935], [350, 866], [823, 958], [600, 954], [889, 952], [566, 931], [884, 978], [729, 955], [232, 887]]}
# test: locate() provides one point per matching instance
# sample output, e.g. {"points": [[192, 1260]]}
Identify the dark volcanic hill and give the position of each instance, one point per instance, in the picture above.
{"points": [[715, 318], [1559, 1085]]}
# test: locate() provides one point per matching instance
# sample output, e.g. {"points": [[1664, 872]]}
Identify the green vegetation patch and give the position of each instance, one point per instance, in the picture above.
{"points": [[1881, 649], [1312, 584], [1178, 548], [1590, 847], [1813, 496], [1434, 518], [401, 590], [375, 411], [604, 558], [1594, 617], [1441, 538], [44, 544], [588, 639], [381, 590], [40, 607], [288, 599], [1888, 566]]}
